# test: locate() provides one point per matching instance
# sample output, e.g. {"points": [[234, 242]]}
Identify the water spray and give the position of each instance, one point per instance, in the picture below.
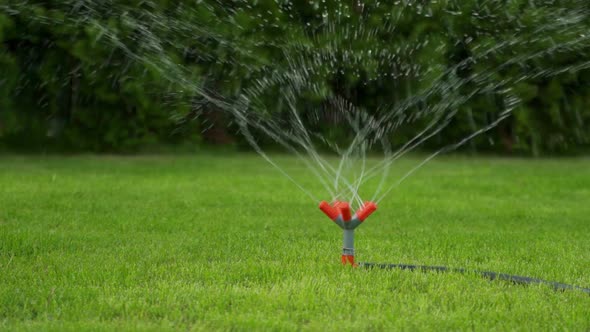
{"points": [[340, 214]]}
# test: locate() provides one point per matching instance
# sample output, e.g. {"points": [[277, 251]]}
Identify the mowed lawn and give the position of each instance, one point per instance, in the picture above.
{"points": [[212, 242]]}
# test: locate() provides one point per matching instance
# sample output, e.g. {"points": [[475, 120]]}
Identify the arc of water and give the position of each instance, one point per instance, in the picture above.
{"points": [[446, 148]]}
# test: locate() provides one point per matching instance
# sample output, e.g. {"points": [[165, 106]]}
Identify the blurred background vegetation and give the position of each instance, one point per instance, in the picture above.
{"points": [[62, 89]]}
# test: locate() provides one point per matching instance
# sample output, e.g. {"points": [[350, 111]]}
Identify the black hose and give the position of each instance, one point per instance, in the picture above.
{"points": [[485, 274]]}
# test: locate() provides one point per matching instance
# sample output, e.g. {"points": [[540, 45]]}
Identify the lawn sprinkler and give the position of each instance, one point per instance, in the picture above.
{"points": [[339, 212]]}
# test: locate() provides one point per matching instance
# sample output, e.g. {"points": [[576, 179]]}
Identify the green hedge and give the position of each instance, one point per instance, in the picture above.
{"points": [[119, 76]]}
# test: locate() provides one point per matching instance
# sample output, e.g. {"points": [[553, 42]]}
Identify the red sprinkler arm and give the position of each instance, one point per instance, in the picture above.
{"points": [[344, 211], [329, 210], [366, 210]]}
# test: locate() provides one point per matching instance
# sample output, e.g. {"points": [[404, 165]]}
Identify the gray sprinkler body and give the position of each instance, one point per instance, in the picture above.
{"points": [[339, 212]]}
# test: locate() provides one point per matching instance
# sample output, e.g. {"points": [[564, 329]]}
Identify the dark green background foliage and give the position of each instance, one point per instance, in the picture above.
{"points": [[65, 85]]}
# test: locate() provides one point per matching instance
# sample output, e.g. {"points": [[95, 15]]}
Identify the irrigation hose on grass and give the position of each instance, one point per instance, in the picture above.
{"points": [[485, 274], [340, 213]]}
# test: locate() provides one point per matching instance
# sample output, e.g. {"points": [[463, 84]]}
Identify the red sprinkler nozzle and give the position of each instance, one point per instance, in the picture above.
{"points": [[332, 212], [366, 210], [344, 211]]}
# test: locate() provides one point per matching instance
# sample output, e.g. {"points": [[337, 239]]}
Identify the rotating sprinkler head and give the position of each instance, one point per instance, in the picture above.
{"points": [[340, 214]]}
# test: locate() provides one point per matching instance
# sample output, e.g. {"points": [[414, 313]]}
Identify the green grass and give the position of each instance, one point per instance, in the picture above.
{"points": [[213, 242]]}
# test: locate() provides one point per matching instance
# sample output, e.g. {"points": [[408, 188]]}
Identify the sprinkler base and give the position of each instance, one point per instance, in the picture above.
{"points": [[348, 259]]}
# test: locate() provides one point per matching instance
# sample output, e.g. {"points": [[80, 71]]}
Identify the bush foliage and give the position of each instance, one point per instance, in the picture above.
{"points": [[65, 84]]}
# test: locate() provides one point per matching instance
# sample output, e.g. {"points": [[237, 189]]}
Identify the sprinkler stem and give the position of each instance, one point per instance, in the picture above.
{"points": [[348, 247]]}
